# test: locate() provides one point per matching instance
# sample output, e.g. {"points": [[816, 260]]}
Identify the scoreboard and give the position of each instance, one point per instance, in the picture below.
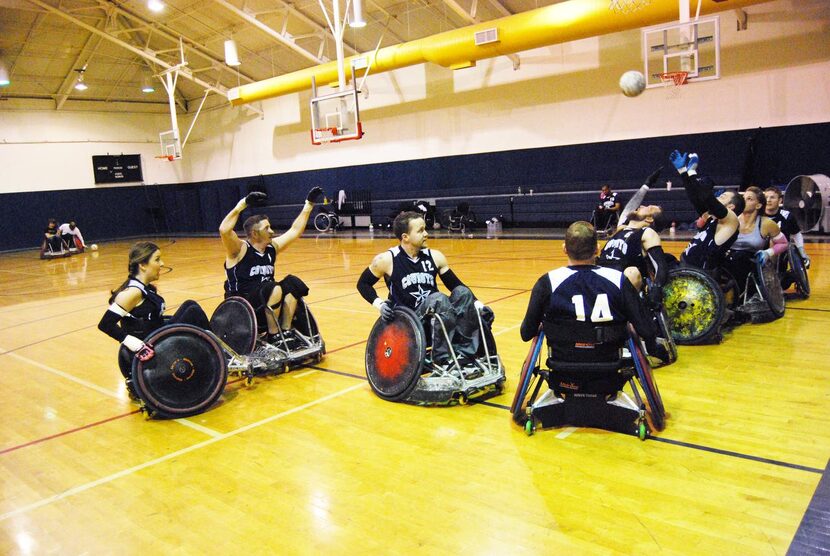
{"points": [[124, 168]]}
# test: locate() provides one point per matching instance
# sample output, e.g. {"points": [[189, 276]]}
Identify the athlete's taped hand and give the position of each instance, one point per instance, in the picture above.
{"points": [[315, 195], [145, 353], [256, 198], [762, 256], [387, 313]]}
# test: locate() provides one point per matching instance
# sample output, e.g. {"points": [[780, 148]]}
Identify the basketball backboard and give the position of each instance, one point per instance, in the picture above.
{"points": [[692, 47], [336, 116], [171, 145]]}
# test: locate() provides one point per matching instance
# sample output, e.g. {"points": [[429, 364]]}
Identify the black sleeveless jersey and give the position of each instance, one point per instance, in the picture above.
{"points": [[412, 280], [702, 251], [624, 249], [591, 294], [245, 277], [786, 221], [147, 315]]}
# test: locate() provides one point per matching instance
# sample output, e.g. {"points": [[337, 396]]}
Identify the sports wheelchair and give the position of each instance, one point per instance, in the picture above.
{"points": [[186, 368], [399, 364], [459, 219], [589, 394], [698, 306], [792, 270], [608, 227]]}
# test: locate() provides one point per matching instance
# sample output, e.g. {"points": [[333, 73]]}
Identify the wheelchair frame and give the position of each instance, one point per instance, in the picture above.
{"points": [[423, 382], [284, 355], [327, 221], [610, 227], [793, 264], [767, 303], [617, 412]]}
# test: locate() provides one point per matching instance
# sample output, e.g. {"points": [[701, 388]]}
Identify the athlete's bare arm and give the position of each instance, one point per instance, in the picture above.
{"points": [[726, 227], [440, 261], [381, 265], [234, 247], [296, 230]]}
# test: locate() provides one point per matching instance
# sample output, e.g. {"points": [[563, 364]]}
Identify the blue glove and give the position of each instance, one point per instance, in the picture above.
{"points": [[387, 313], [762, 257], [691, 163], [678, 159]]}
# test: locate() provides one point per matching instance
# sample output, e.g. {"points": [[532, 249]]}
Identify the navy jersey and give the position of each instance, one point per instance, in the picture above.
{"points": [[245, 277], [412, 280], [583, 298], [624, 249], [607, 202], [147, 315], [786, 221], [702, 251]]}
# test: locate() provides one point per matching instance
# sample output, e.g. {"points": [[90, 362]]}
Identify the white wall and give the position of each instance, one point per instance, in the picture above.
{"points": [[777, 72]]}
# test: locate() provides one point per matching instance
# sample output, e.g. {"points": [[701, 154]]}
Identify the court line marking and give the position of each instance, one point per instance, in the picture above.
{"points": [[100, 390], [301, 375], [126, 472], [70, 431], [566, 432]]}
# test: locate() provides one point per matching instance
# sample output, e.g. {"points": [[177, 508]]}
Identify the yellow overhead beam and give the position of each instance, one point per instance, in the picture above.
{"points": [[558, 23]]}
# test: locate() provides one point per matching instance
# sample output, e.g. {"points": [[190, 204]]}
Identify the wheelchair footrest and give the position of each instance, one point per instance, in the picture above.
{"points": [[588, 412]]}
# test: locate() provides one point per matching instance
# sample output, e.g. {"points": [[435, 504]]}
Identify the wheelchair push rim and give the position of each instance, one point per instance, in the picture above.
{"points": [[517, 408], [657, 411], [694, 304], [769, 286], [234, 322], [802, 281], [186, 375], [395, 354], [665, 331]]}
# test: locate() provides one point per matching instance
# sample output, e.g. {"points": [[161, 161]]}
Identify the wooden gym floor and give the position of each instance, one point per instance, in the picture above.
{"points": [[313, 462]]}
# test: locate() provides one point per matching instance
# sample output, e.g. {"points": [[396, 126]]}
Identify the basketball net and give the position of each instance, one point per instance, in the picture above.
{"points": [[627, 6], [672, 80]]}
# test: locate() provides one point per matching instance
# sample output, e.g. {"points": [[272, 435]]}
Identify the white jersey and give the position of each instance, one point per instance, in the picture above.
{"points": [[64, 229]]}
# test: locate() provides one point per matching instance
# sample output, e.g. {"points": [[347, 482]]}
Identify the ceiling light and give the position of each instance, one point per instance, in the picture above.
{"points": [[155, 5], [357, 14], [231, 55], [80, 85], [147, 85]]}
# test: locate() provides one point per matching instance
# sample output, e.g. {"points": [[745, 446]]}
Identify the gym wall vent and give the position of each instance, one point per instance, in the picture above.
{"points": [[487, 36]]}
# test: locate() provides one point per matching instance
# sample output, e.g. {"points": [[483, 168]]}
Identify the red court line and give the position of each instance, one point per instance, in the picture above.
{"points": [[64, 433]]}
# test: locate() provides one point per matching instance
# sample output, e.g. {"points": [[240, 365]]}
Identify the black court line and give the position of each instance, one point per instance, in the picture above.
{"points": [[808, 309], [813, 534], [681, 443]]}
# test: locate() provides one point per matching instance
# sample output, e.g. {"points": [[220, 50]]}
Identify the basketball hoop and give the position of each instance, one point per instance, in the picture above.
{"points": [[323, 135], [169, 157], [627, 6], [676, 78], [672, 81]]}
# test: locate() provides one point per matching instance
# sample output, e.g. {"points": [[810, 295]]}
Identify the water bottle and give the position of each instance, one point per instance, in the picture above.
{"points": [[673, 229]]}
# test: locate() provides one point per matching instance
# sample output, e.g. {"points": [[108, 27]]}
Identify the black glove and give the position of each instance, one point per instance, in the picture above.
{"points": [[387, 313], [652, 179], [657, 349], [315, 195], [256, 199], [487, 315], [654, 296]]}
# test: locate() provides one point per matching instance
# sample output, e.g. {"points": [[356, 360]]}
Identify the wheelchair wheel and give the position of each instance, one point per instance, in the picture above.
{"points": [[186, 375], [526, 380], [694, 304], [645, 377], [322, 222], [234, 322], [802, 281], [769, 286], [395, 355]]}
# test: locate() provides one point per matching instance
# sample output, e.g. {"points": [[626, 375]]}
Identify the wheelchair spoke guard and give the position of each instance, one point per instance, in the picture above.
{"points": [[769, 286], [645, 377], [234, 322], [395, 355], [526, 378], [186, 375], [694, 304]]}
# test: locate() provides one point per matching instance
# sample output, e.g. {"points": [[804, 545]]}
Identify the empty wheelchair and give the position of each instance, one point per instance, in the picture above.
{"points": [[589, 394], [793, 271], [460, 219], [399, 364]]}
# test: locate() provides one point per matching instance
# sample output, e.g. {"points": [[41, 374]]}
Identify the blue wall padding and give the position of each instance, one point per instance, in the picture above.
{"points": [[779, 154]]}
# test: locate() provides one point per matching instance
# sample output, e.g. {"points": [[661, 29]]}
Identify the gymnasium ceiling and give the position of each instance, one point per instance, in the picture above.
{"points": [[44, 42]]}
